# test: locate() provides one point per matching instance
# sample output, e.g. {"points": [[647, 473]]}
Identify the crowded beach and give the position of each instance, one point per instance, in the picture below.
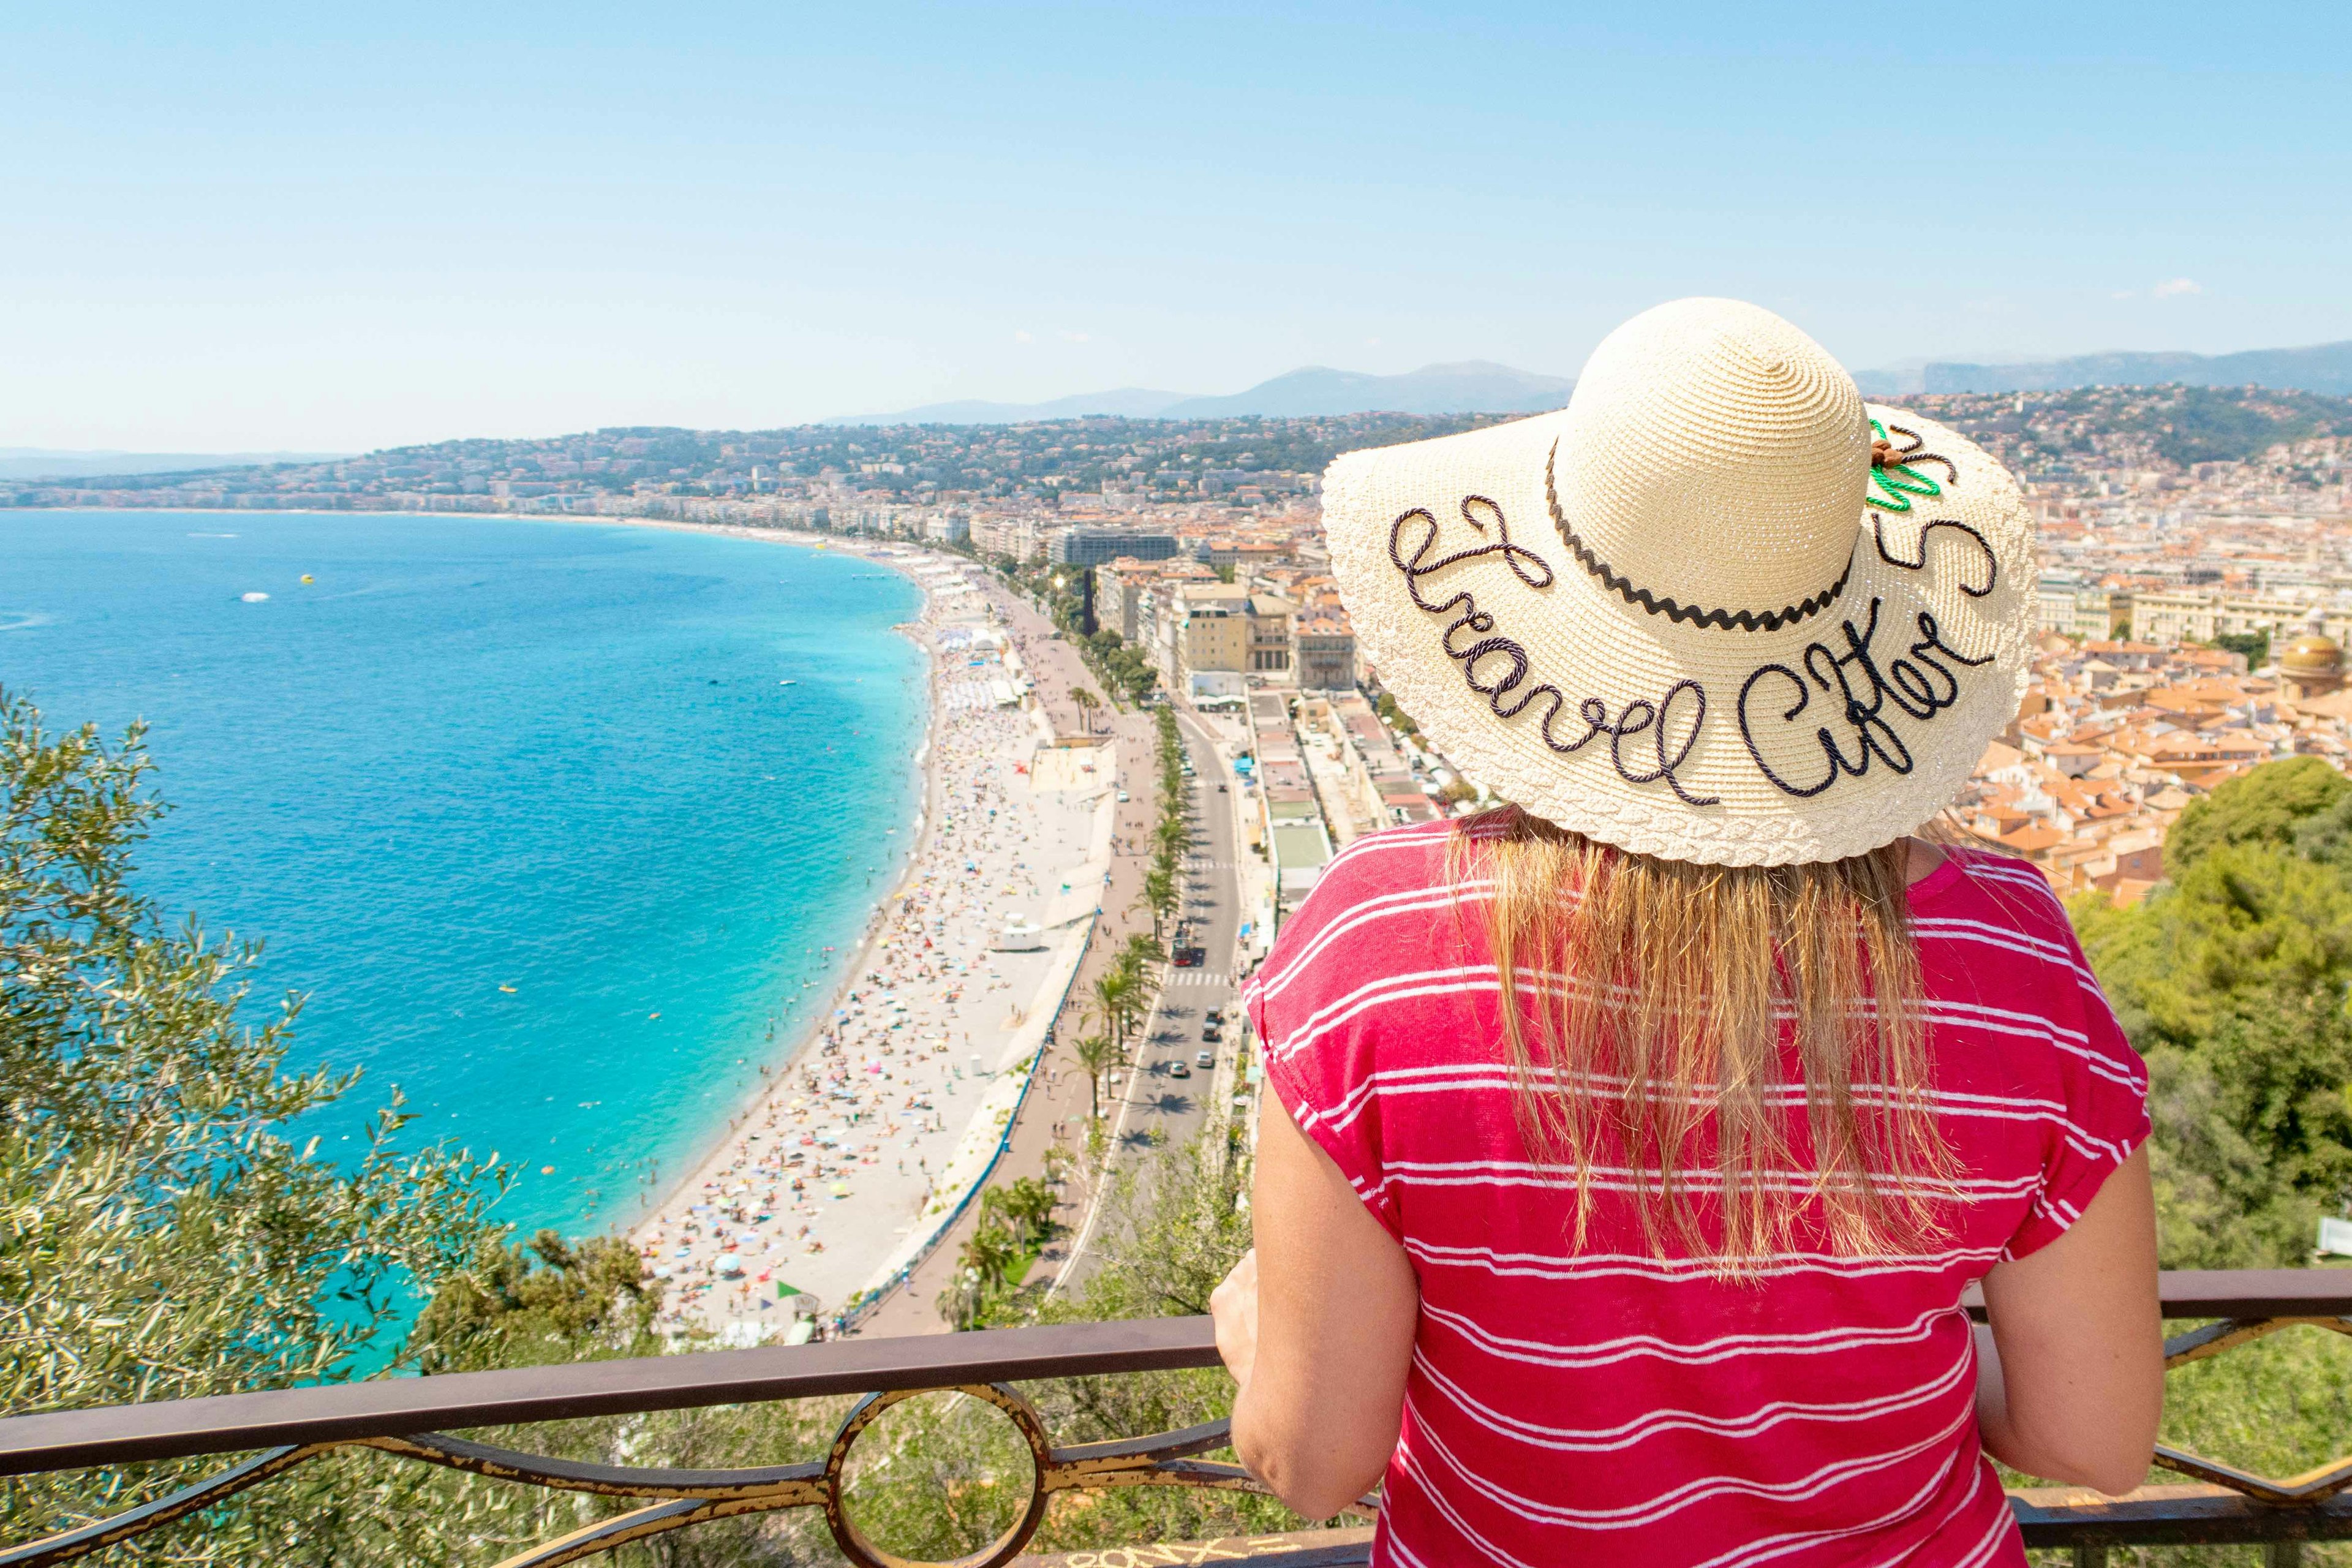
{"points": [[866, 1139]]}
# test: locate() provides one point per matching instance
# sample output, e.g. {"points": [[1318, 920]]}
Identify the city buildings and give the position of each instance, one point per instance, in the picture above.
{"points": [[1323, 648], [1095, 546], [2194, 598]]}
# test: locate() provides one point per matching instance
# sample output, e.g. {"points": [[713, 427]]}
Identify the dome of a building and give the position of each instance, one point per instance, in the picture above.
{"points": [[2312, 653]]}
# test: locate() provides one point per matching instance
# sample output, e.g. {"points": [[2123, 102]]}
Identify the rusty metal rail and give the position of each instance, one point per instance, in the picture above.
{"points": [[280, 1429]]}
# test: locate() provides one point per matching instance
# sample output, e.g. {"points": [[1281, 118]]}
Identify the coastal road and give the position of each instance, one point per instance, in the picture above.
{"points": [[1056, 1111], [1166, 1107], [1156, 1105], [1149, 1100]]}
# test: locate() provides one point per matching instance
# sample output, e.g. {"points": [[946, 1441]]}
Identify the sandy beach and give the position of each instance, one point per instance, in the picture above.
{"points": [[889, 1113]]}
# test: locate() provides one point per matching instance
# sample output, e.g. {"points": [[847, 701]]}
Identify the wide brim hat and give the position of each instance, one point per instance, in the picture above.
{"points": [[1717, 609]]}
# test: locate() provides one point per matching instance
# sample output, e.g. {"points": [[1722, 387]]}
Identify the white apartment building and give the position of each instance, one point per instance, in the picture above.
{"points": [[2178, 618]]}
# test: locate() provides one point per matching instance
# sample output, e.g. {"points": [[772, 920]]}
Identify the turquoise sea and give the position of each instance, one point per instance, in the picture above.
{"points": [[475, 754]]}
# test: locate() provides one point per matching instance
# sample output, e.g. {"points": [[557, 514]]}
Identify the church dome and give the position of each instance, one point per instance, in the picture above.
{"points": [[2312, 653]]}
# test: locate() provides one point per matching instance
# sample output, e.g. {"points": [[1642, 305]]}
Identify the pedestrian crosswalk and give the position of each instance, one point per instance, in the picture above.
{"points": [[1197, 977]]}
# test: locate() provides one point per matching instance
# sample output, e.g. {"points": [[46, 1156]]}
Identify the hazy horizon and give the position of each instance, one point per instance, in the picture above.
{"points": [[260, 228]]}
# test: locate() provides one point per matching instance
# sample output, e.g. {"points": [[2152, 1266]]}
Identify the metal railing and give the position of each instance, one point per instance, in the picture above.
{"points": [[281, 1429]]}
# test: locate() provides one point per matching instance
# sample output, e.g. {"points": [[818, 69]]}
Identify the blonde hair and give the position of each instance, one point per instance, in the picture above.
{"points": [[1651, 1000]]}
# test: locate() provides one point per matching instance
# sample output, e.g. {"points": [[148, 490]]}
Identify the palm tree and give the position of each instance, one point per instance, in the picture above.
{"points": [[1159, 894], [1173, 835], [1114, 1000], [1028, 1206], [1098, 1054], [1085, 703], [1138, 1005], [1132, 1003], [990, 1253]]}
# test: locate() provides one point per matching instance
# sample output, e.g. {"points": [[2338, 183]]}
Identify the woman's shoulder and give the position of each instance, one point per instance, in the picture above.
{"points": [[1984, 885], [1377, 898], [1381, 872], [2000, 961]]}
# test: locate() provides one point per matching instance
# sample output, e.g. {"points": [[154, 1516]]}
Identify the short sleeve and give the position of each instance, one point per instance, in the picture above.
{"points": [[2103, 1089], [1315, 1006]]}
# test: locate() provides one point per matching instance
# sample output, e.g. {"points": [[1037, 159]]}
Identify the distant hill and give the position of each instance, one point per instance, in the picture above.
{"points": [[1471, 386], [2326, 368], [40, 463], [1125, 402]]}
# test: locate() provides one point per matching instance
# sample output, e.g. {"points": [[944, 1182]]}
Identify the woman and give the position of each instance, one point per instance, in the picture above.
{"points": [[1631, 1145]]}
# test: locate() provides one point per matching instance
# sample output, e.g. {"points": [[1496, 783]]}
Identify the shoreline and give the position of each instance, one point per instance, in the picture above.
{"points": [[960, 1154], [870, 931], [753, 1185]]}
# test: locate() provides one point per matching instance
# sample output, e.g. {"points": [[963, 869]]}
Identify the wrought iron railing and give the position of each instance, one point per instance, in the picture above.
{"points": [[282, 1429]]}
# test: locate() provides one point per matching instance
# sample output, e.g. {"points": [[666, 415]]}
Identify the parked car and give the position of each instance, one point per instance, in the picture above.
{"points": [[1205, 1060], [1122, 798]]}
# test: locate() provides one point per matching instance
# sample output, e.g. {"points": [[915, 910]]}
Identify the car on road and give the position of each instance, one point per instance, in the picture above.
{"points": [[1206, 1060], [1221, 789], [1214, 1016], [1210, 1035], [1190, 957], [1178, 1070]]}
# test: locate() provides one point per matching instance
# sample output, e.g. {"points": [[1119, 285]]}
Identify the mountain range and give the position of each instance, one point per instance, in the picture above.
{"points": [[1469, 386], [45, 463], [2323, 368], [1482, 387]]}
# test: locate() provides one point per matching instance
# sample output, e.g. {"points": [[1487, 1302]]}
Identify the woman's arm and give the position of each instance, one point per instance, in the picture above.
{"points": [[2070, 1381], [1315, 1323]]}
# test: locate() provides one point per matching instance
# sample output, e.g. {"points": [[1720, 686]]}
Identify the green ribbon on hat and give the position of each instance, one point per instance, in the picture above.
{"points": [[1891, 470]]}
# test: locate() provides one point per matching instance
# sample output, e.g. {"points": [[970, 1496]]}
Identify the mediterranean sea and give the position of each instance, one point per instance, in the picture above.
{"points": [[563, 828]]}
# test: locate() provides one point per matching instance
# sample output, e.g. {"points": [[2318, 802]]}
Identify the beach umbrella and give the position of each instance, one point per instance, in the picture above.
{"points": [[729, 1264]]}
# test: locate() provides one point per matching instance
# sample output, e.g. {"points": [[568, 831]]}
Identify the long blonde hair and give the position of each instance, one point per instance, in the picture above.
{"points": [[1653, 997]]}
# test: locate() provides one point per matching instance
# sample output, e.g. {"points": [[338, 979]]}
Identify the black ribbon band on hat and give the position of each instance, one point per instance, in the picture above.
{"points": [[1661, 604]]}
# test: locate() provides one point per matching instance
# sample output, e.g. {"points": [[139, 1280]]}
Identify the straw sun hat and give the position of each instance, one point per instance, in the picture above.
{"points": [[1716, 609]]}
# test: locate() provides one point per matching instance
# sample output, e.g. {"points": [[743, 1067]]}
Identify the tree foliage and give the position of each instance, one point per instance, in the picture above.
{"points": [[163, 1234], [2232, 981], [2268, 807], [525, 1305], [1172, 1224]]}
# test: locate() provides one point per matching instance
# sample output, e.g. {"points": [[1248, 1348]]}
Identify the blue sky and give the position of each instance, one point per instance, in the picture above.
{"points": [[264, 225]]}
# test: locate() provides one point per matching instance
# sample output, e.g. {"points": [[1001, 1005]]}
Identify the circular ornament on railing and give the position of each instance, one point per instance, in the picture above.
{"points": [[865, 1553]]}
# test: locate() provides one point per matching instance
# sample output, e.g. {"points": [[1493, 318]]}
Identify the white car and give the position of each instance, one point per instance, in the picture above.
{"points": [[1122, 798]]}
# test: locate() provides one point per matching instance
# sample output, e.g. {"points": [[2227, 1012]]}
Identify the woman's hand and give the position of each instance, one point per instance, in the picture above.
{"points": [[1233, 1306]]}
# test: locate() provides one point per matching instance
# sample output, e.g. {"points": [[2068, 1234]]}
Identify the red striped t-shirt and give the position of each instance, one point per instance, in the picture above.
{"points": [[1604, 1403]]}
